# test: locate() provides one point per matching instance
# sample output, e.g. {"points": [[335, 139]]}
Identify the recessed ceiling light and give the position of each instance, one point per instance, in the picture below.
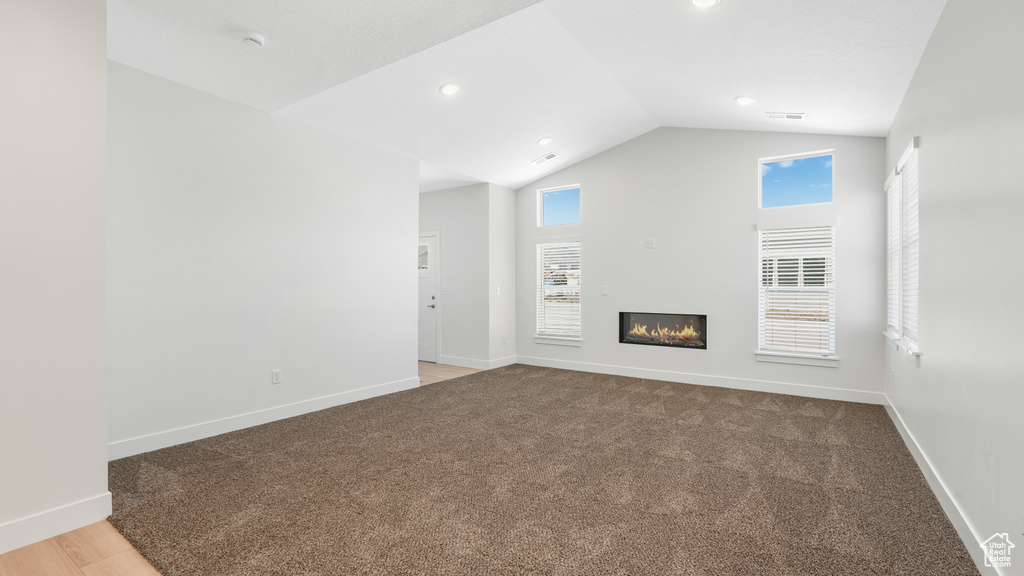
{"points": [[703, 3], [450, 88], [745, 100], [545, 140], [254, 39]]}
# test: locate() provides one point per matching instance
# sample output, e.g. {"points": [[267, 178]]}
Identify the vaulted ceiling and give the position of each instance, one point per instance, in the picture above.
{"points": [[590, 74]]}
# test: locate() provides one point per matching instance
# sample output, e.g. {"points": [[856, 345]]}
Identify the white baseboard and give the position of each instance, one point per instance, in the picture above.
{"points": [[475, 363], [464, 362], [805, 390], [150, 442], [506, 361], [971, 539], [37, 527]]}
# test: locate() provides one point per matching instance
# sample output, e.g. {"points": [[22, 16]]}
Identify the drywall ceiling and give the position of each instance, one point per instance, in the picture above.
{"points": [[522, 78], [311, 45], [589, 73], [845, 64]]}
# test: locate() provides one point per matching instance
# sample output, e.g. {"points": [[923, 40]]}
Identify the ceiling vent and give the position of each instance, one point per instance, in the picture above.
{"points": [[545, 158], [785, 115]]}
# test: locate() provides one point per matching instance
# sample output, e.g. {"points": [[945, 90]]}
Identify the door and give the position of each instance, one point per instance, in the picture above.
{"points": [[427, 264]]}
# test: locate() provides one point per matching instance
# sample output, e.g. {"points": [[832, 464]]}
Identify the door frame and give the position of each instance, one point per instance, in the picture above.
{"points": [[437, 288]]}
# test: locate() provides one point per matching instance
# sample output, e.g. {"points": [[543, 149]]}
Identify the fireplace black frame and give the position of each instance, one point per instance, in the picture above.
{"points": [[698, 321]]}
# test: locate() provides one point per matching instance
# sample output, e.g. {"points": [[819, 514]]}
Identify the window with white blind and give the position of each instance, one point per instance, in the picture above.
{"points": [[904, 251], [894, 191], [796, 293], [558, 293]]}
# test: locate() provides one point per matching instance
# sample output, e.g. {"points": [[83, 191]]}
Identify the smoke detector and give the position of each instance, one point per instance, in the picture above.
{"points": [[785, 115], [545, 158], [254, 39]]}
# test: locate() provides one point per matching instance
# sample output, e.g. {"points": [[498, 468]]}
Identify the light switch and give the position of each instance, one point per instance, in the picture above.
{"points": [[604, 289], [444, 290]]}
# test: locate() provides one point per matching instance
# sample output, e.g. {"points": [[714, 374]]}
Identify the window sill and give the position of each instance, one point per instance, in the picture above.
{"points": [[555, 341], [905, 347], [800, 359]]}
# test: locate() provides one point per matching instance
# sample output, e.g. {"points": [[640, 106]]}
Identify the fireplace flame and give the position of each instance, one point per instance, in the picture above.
{"points": [[666, 335]]}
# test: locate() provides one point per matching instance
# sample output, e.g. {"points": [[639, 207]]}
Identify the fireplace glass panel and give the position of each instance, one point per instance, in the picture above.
{"points": [[658, 329]]}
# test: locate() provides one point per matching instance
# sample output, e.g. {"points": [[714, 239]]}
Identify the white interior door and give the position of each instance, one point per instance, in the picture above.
{"points": [[427, 264]]}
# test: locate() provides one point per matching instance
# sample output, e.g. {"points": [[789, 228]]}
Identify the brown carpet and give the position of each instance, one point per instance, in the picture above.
{"points": [[525, 470]]}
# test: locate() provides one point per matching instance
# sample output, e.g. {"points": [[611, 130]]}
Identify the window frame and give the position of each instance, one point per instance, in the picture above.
{"points": [[553, 337], [768, 271], [802, 156], [894, 253], [902, 271], [540, 205]]}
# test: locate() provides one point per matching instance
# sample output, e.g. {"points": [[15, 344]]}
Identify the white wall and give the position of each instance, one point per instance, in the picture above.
{"points": [[241, 242], [53, 397], [695, 192], [964, 405], [461, 215], [502, 274]]}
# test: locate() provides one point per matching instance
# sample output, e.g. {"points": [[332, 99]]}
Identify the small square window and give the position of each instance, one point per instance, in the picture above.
{"points": [[558, 206], [796, 180]]}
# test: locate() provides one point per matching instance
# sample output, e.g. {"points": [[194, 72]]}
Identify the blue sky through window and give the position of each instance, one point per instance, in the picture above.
{"points": [[795, 182], [560, 207]]}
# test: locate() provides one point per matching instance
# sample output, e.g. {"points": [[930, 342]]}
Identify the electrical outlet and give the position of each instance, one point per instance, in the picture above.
{"points": [[649, 243], [502, 340], [604, 289], [275, 376], [499, 290]]}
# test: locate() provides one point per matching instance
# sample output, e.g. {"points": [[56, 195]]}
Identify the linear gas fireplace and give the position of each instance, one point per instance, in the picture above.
{"points": [[675, 330]]}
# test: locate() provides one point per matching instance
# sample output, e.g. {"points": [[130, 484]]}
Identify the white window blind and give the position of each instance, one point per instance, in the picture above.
{"points": [[796, 297], [911, 249], [894, 245], [558, 290], [904, 251]]}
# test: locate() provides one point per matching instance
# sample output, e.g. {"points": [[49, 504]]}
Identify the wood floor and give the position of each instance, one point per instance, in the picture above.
{"points": [[95, 550], [431, 373], [100, 550]]}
